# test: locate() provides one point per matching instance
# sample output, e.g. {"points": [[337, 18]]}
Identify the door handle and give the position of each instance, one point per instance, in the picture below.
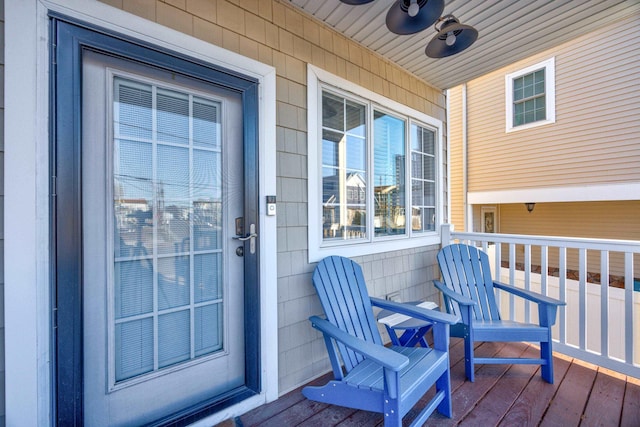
{"points": [[245, 238], [251, 237]]}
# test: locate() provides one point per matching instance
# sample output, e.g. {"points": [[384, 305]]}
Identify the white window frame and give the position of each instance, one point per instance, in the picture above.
{"points": [[549, 66], [317, 79]]}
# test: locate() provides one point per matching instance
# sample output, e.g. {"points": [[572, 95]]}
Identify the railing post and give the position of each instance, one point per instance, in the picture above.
{"points": [[445, 232]]}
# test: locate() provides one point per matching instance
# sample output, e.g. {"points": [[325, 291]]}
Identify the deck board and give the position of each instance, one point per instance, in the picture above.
{"points": [[568, 405], [504, 395], [605, 403], [631, 405], [530, 406]]}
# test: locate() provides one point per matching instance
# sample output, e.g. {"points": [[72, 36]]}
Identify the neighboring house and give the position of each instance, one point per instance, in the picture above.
{"points": [[560, 129], [138, 133]]}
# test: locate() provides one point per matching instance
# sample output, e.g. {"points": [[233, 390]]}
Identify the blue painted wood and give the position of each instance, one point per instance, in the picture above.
{"points": [[376, 378], [469, 289]]}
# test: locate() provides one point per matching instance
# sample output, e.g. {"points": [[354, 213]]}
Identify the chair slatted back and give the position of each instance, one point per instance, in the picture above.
{"points": [[466, 270], [343, 294]]}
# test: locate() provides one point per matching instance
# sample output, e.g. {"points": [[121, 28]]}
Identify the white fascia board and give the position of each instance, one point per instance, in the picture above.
{"points": [[585, 193]]}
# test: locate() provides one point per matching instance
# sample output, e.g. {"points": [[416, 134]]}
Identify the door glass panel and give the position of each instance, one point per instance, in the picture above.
{"points": [[168, 294], [134, 348]]}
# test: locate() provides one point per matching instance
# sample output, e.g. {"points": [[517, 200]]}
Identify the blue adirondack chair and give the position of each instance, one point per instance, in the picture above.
{"points": [[469, 290], [374, 377]]}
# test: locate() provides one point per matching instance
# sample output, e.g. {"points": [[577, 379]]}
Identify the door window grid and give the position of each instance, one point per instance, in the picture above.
{"points": [[184, 214]]}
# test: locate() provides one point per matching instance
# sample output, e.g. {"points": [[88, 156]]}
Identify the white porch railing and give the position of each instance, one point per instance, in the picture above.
{"points": [[599, 324]]}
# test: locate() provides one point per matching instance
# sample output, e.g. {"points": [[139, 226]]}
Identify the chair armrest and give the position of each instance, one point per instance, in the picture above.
{"points": [[529, 295], [378, 353], [416, 312], [460, 299]]}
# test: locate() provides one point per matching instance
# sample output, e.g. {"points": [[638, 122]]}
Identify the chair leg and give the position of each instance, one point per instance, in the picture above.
{"points": [[546, 353], [444, 383], [392, 416], [468, 357]]}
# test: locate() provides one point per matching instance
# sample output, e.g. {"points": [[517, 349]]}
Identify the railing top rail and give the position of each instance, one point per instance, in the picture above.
{"points": [[632, 246]]}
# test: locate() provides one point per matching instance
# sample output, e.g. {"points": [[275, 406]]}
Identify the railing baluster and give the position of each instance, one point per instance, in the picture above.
{"points": [[527, 281], [604, 303], [628, 307], [562, 276], [544, 269], [498, 270], [512, 280], [582, 297]]}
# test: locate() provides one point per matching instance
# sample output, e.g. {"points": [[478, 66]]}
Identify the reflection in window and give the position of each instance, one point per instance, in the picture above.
{"points": [[365, 181], [389, 176], [343, 168], [167, 188], [529, 103], [423, 179]]}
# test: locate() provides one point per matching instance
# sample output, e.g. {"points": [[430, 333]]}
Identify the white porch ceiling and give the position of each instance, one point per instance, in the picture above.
{"points": [[509, 30]]}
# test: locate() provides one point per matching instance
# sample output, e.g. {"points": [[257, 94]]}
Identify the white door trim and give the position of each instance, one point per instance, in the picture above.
{"points": [[27, 306]]}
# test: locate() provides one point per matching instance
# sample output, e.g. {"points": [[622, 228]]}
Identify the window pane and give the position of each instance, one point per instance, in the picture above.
{"points": [[173, 116], [332, 111], [530, 87], [206, 123], [207, 276], [331, 147], [133, 348], [133, 288], [133, 109], [355, 153], [173, 282], [173, 338], [389, 174], [207, 175], [355, 118], [208, 329], [423, 175], [133, 198], [344, 157]]}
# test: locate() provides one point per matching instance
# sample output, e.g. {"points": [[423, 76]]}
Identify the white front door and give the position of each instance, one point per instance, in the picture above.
{"points": [[162, 185]]}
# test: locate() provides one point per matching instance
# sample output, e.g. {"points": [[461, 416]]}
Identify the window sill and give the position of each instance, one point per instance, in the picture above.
{"points": [[359, 249]]}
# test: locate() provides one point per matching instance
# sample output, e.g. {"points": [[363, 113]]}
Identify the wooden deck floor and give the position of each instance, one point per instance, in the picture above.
{"points": [[502, 395]]}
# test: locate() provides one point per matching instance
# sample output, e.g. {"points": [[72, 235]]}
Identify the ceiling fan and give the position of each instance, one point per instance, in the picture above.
{"points": [[412, 16]]}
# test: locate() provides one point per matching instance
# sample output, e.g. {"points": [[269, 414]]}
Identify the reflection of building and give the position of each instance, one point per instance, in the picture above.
{"points": [[344, 206], [390, 201]]}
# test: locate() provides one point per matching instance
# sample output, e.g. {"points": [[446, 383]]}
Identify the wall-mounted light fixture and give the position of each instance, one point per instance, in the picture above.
{"points": [[530, 206]]}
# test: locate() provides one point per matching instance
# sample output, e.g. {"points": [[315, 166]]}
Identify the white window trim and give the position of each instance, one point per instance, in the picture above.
{"points": [[315, 78], [549, 89]]}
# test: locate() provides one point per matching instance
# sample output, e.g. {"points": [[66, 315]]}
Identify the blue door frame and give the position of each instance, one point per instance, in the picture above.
{"points": [[69, 39]]}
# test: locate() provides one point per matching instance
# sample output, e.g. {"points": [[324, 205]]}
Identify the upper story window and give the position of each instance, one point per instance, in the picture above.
{"points": [[530, 96], [374, 177]]}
